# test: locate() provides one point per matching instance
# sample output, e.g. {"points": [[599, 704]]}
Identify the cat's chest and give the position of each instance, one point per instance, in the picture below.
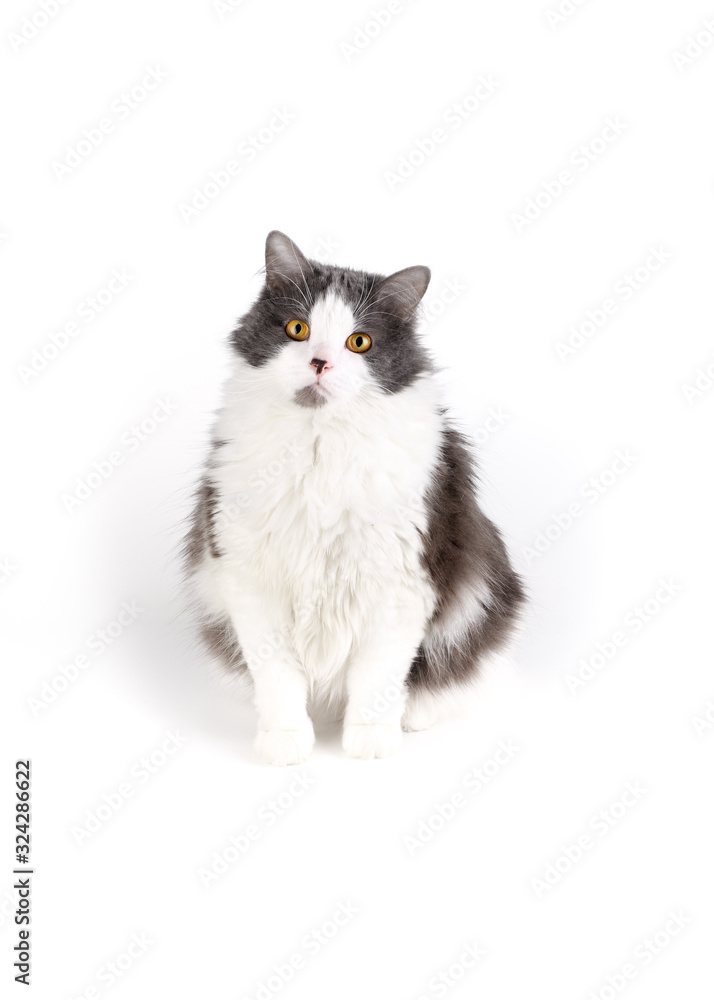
{"points": [[329, 483], [341, 491]]}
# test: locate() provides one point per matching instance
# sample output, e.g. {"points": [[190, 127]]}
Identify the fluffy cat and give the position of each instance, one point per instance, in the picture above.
{"points": [[337, 550]]}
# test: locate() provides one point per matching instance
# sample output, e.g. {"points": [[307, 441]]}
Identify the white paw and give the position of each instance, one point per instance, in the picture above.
{"points": [[369, 741], [418, 717], [425, 708], [285, 746]]}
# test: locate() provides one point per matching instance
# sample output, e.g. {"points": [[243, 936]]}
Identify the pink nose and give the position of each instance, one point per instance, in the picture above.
{"points": [[320, 365]]}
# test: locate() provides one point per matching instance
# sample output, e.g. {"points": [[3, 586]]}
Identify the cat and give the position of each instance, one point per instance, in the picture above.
{"points": [[337, 552]]}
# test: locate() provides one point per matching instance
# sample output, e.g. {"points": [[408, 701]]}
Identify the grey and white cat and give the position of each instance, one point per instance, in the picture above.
{"points": [[337, 551]]}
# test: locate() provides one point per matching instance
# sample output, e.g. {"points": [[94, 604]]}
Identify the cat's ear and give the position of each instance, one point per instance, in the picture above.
{"points": [[285, 264], [402, 292]]}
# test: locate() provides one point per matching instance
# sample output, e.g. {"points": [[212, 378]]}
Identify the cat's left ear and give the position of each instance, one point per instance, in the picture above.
{"points": [[402, 292], [285, 263]]}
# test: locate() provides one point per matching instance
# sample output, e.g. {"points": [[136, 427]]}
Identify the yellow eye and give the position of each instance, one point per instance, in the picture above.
{"points": [[359, 342], [297, 330]]}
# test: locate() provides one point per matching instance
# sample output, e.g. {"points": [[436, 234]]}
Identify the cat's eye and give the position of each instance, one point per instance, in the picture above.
{"points": [[297, 330], [359, 342]]}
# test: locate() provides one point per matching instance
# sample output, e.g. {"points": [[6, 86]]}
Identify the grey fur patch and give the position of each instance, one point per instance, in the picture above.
{"points": [[463, 550], [220, 639], [218, 634], [201, 536], [311, 396]]}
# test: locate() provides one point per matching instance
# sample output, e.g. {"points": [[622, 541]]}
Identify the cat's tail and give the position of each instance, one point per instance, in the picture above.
{"points": [[427, 706]]}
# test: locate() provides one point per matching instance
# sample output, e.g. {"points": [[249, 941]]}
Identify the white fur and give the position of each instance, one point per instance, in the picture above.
{"points": [[320, 518]]}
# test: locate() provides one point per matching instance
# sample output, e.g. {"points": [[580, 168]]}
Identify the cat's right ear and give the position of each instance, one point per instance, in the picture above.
{"points": [[285, 263]]}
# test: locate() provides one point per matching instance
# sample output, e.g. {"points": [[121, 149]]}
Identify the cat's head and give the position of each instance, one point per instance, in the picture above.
{"points": [[320, 333]]}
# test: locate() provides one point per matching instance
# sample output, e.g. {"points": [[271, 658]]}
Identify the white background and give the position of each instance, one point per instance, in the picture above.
{"points": [[324, 180]]}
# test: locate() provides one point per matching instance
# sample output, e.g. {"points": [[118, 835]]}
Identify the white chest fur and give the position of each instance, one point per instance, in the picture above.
{"points": [[321, 513]]}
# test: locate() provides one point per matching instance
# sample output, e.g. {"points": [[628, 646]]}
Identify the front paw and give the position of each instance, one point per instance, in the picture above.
{"points": [[285, 746], [370, 741]]}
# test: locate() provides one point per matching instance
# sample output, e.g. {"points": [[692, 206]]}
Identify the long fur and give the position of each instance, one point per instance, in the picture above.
{"points": [[337, 550]]}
